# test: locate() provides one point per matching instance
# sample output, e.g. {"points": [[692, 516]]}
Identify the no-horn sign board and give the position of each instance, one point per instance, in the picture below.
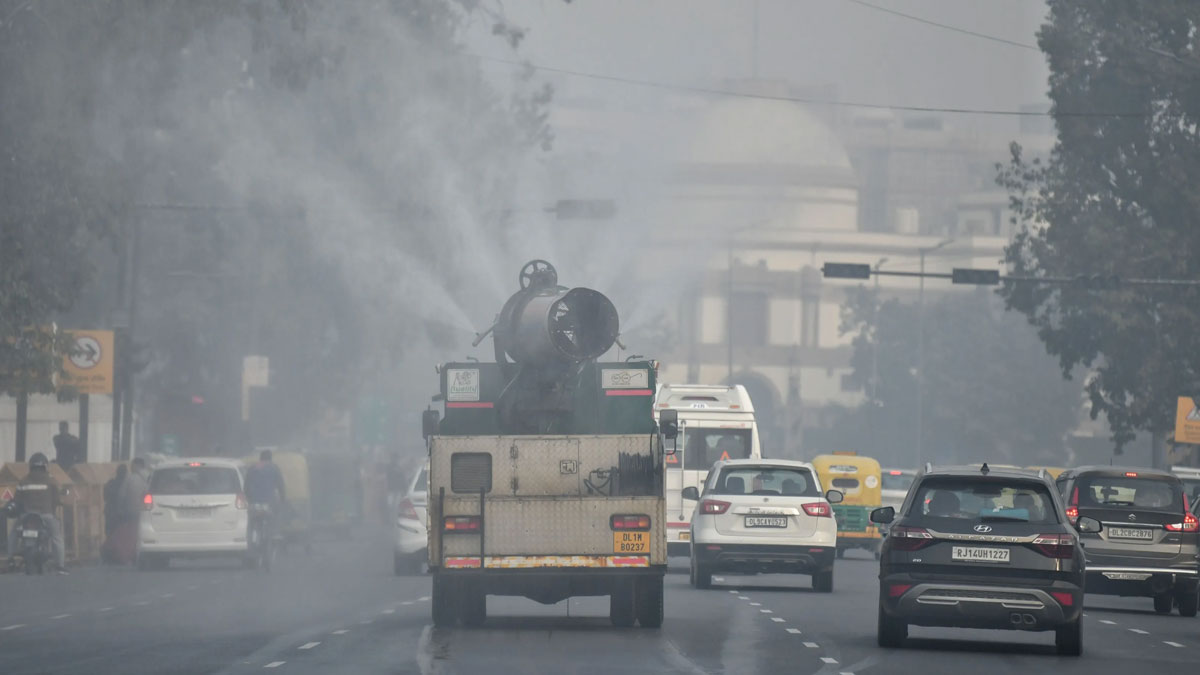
{"points": [[88, 367]]}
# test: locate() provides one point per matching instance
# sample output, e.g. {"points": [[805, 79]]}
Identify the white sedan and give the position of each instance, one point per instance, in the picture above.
{"points": [[412, 539]]}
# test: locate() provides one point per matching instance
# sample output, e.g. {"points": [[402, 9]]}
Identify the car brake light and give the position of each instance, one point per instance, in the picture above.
{"points": [[461, 524], [909, 538], [1189, 524], [1131, 474], [195, 464], [895, 473], [147, 502], [1073, 509], [897, 590], [818, 509], [1055, 545], [406, 510], [629, 522], [714, 507], [240, 503], [1065, 599]]}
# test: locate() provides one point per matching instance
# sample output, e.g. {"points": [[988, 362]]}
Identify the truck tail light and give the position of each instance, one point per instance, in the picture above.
{"points": [[630, 522], [1060, 546], [460, 524], [148, 502], [714, 507], [818, 509], [909, 538]]}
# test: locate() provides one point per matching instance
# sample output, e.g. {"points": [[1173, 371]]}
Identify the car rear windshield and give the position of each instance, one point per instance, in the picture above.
{"points": [[763, 480], [195, 480], [704, 447], [986, 500], [897, 481], [1151, 493]]}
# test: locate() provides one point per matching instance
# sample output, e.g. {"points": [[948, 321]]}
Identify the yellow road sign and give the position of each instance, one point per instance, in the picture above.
{"points": [[88, 367], [1187, 421]]}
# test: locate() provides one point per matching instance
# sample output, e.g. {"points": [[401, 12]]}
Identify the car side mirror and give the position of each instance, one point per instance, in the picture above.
{"points": [[429, 423], [884, 515], [834, 496], [1087, 525], [691, 493]]}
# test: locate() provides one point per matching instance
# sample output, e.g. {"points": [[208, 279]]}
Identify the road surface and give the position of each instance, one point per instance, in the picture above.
{"points": [[340, 610]]}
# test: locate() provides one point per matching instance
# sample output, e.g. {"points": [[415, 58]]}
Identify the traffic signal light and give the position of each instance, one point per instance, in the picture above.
{"points": [[963, 275], [846, 271]]}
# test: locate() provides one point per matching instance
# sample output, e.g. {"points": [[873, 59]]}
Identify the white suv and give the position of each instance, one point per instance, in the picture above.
{"points": [[412, 539], [768, 516], [195, 507]]}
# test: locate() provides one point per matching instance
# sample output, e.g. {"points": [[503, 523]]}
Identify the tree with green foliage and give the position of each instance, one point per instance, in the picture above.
{"points": [[977, 356], [1116, 197]]}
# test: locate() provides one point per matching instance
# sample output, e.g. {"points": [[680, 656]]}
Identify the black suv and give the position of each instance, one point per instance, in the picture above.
{"points": [[976, 548], [1151, 540]]}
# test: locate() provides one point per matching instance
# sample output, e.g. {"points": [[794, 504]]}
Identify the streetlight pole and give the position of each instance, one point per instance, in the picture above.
{"points": [[925, 250], [874, 410], [729, 312]]}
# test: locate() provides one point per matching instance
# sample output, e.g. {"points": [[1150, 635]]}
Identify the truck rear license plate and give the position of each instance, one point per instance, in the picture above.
{"points": [[32, 534], [631, 542], [766, 521], [979, 554], [1130, 533]]}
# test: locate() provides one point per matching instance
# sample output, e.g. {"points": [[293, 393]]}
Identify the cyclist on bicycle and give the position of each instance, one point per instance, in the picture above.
{"points": [[264, 485]]}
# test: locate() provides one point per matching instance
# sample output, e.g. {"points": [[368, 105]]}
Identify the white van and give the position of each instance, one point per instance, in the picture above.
{"points": [[716, 423]]}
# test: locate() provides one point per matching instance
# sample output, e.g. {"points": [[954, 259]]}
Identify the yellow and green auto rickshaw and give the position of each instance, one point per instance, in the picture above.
{"points": [[859, 479]]}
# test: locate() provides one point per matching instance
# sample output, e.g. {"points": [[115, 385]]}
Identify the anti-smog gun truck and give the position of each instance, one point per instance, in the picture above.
{"points": [[546, 469]]}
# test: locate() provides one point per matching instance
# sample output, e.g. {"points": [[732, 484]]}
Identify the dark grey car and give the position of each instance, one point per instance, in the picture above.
{"points": [[975, 548], [1151, 540]]}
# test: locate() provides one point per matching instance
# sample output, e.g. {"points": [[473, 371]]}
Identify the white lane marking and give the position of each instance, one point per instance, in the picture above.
{"points": [[388, 611], [340, 632], [60, 616], [143, 603], [1139, 631], [733, 592], [777, 619], [828, 659], [105, 609], [407, 602], [308, 645], [1106, 621], [766, 611], [794, 631], [167, 595], [743, 597], [756, 604], [718, 578], [811, 645], [1085, 613], [274, 664], [845, 672], [14, 626], [191, 588], [366, 622], [425, 652], [423, 598], [1173, 644]]}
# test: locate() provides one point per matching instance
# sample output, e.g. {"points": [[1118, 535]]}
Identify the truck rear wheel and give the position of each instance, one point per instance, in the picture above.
{"points": [[650, 602], [445, 603], [621, 605]]}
